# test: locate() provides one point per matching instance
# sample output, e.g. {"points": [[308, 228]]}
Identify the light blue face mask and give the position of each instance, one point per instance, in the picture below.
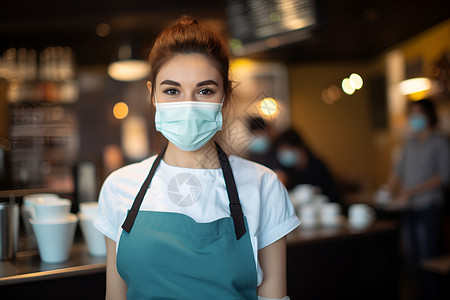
{"points": [[417, 122], [189, 125], [288, 157], [259, 145]]}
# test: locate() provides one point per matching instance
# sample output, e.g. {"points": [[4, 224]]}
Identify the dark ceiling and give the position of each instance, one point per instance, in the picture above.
{"points": [[347, 29]]}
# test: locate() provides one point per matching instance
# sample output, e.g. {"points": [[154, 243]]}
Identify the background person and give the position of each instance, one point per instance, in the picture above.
{"points": [[299, 165], [260, 148], [417, 184]]}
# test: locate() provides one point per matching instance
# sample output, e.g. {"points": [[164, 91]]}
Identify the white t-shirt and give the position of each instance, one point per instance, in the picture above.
{"points": [[200, 194]]}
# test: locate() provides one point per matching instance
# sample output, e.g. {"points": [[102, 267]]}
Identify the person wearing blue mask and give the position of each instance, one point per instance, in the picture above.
{"points": [[299, 165], [260, 149], [193, 222], [417, 183]]}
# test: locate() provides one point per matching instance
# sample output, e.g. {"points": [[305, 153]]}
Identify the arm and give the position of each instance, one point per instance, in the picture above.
{"points": [[116, 289], [272, 260], [393, 182], [430, 183], [439, 180]]}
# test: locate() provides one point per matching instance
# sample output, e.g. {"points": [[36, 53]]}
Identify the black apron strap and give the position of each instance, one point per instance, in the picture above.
{"points": [[132, 213], [235, 205]]}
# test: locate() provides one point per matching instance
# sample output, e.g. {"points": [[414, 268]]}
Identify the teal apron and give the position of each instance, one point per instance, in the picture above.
{"points": [[164, 255]]}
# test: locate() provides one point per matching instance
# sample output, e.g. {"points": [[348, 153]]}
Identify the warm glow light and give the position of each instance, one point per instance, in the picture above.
{"points": [[129, 70], [268, 106], [120, 110], [135, 138], [347, 87], [356, 81], [331, 94], [103, 29], [414, 85]]}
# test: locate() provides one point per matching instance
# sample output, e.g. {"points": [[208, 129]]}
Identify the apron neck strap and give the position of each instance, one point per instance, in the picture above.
{"points": [[132, 213], [235, 205]]}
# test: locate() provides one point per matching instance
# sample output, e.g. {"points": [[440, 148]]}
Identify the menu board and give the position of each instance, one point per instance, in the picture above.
{"points": [[257, 20]]}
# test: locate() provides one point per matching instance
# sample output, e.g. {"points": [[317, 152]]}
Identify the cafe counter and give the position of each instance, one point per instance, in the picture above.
{"points": [[81, 277], [322, 263]]}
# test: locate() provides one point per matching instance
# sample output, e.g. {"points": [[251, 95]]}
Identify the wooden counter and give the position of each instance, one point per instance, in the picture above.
{"points": [[342, 263]]}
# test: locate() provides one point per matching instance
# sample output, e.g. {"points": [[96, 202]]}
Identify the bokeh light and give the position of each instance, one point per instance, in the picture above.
{"points": [[347, 87], [356, 81], [120, 110], [103, 29], [268, 106]]}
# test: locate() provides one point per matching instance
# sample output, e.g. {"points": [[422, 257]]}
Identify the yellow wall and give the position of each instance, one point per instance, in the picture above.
{"points": [[339, 132]]}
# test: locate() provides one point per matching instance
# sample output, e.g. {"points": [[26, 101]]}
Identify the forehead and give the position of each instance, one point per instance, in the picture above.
{"points": [[189, 68]]}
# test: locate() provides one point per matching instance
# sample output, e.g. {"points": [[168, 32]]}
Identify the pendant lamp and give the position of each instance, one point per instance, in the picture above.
{"points": [[128, 68]]}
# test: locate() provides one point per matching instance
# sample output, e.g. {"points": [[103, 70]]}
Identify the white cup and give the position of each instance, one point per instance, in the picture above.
{"points": [[308, 216], [28, 211], [360, 215], [383, 196], [320, 199], [55, 239], [95, 240], [303, 194], [330, 214], [52, 211], [89, 208]]}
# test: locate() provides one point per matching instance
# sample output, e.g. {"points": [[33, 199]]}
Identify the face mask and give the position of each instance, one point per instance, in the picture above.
{"points": [[259, 145], [189, 125], [417, 122], [288, 157]]}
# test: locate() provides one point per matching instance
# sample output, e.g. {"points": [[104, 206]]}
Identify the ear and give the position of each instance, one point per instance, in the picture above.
{"points": [[149, 87]]}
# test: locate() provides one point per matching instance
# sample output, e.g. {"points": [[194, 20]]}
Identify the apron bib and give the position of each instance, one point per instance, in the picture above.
{"points": [[164, 255]]}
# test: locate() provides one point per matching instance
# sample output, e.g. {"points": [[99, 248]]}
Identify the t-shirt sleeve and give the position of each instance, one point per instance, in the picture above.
{"points": [[277, 216], [106, 219]]}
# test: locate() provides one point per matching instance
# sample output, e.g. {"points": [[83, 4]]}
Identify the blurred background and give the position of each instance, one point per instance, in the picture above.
{"points": [[74, 104], [57, 98]]}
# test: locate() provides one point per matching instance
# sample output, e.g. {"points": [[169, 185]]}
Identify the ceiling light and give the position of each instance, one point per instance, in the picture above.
{"points": [[414, 85], [128, 68], [356, 81], [347, 87]]}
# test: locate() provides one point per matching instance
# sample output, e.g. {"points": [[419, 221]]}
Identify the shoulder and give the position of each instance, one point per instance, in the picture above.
{"points": [[250, 168], [132, 172]]}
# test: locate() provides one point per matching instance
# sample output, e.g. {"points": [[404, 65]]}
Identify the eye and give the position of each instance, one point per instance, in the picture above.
{"points": [[206, 91], [171, 91]]}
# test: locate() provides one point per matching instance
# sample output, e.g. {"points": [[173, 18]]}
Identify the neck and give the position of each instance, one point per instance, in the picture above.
{"points": [[203, 158]]}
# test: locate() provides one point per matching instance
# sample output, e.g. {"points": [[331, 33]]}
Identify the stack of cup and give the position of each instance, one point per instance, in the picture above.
{"points": [[360, 216], [54, 227], [320, 212], [95, 240], [27, 209]]}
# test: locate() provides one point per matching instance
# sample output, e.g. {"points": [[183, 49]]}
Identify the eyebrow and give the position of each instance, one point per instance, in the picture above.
{"points": [[207, 82], [201, 83], [170, 82]]}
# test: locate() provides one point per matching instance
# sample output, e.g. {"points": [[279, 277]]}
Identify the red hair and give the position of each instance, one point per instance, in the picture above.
{"points": [[189, 36]]}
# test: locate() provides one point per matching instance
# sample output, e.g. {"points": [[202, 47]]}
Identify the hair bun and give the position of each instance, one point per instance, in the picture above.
{"points": [[187, 20]]}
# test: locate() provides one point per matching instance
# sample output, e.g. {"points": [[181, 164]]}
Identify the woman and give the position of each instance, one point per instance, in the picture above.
{"points": [[199, 226], [418, 179]]}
